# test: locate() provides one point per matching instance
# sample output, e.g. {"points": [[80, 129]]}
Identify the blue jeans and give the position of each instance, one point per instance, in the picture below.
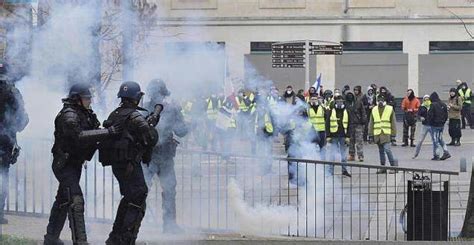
{"points": [[386, 149], [424, 131], [338, 147], [437, 136]]}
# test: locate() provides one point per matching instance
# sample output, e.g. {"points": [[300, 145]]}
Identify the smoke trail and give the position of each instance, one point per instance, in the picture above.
{"points": [[261, 219]]}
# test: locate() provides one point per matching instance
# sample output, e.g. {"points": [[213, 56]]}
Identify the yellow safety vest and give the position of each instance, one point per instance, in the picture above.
{"points": [[382, 124], [242, 106], [333, 126], [466, 97], [317, 118], [267, 121], [272, 102], [211, 111], [187, 108]]}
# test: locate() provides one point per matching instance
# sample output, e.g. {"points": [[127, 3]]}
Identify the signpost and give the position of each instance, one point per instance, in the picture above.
{"points": [[295, 54]]}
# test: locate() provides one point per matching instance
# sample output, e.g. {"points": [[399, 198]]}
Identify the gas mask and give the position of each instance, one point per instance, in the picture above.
{"points": [[381, 103], [339, 105]]}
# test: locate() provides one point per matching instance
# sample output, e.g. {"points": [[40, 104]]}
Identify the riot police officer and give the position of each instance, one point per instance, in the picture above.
{"points": [[13, 119], [76, 133], [162, 163], [125, 152]]}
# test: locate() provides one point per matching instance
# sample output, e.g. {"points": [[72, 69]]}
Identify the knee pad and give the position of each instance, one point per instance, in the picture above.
{"points": [[77, 204]]}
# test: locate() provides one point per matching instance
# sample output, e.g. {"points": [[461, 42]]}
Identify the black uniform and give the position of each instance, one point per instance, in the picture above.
{"points": [[125, 153], [162, 164], [73, 145], [171, 123], [13, 119]]}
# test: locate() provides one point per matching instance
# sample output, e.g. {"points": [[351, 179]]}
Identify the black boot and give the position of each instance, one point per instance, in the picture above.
{"points": [[458, 142], [115, 235], [57, 218], [412, 143], [169, 212], [445, 156], [132, 222], [76, 220], [453, 142], [405, 143]]}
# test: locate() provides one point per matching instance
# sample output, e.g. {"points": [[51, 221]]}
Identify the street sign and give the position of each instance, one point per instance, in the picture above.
{"points": [[288, 60], [282, 65], [317, 52], [290, 56], [326, 49]]}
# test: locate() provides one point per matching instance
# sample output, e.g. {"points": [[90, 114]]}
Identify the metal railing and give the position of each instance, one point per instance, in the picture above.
{"points": [[220, 193]]}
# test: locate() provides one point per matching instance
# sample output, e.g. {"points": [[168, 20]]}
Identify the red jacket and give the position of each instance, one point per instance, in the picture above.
{"points": [[411, 106]]}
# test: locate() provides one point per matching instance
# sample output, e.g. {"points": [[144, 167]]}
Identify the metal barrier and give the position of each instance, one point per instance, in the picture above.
{"points": [[217, 193]]}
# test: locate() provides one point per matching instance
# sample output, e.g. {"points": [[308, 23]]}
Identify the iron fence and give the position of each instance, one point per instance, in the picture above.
{"points": [[224, 193]]}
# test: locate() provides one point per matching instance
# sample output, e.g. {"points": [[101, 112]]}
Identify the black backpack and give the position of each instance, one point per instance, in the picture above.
{"points": [[444, 112]]}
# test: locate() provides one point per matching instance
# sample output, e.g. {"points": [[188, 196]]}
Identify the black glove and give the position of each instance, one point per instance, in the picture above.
{"points": [[115, 129]]}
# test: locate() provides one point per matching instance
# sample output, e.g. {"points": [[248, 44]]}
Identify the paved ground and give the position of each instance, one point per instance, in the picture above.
{"points": [[34, 227]]}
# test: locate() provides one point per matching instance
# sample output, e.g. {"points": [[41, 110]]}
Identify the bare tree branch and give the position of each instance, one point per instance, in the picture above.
{"points": [[463, 23]]}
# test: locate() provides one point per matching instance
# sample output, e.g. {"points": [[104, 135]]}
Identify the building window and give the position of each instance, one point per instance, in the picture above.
{"points": [[455, 46], [372, 46]]}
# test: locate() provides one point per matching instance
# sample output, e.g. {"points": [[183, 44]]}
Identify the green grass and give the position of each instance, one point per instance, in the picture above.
{"points": [[12, 240]]}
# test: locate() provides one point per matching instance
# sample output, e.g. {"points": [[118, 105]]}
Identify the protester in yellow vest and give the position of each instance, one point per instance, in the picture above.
{"points": [[382, 129], [213, 104], [337, 124], [466, 94], [317, 118], [245, 104], [264, 131]]}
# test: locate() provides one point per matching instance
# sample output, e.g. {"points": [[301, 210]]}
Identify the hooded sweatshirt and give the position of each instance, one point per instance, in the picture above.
{"points": [[356, 110], [438, 112], [368, 100], [388, 96]]}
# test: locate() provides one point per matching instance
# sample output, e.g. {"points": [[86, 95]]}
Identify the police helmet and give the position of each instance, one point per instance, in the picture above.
{"points": [[130, 90], [80, 90], [157, 87]]}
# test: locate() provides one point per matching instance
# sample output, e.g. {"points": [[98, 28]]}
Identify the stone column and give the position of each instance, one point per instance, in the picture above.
{"points": [[414, 48]]}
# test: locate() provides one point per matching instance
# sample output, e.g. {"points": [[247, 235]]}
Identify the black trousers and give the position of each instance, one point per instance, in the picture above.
{"points": [[132, 207], [455, 128], [466, 115], [68, 178]]}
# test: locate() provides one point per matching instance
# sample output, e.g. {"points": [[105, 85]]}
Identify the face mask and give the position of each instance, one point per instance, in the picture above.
{"points": [[288, 91], [452, 94], [382, 103], [464, 87]]}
